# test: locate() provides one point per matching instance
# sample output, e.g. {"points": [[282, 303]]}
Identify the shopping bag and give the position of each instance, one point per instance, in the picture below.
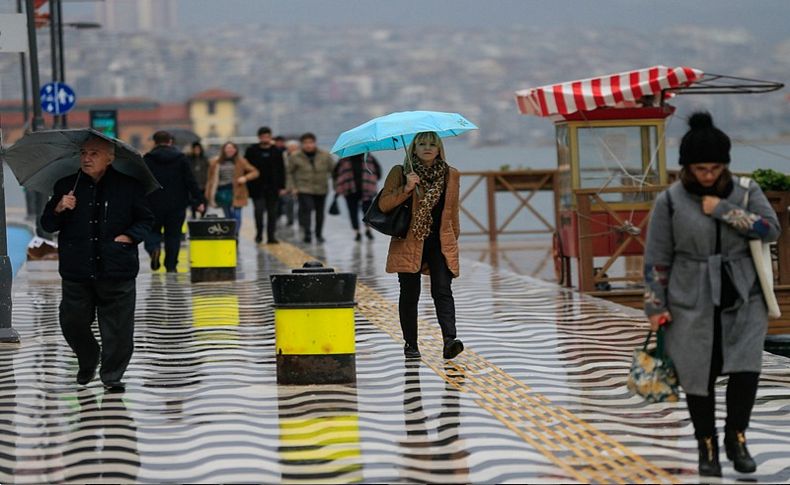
{"points": [[653, 375]]}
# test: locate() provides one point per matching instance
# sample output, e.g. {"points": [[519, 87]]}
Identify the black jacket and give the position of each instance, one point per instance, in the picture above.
{"points": [[86, 246], [173, 170], [269, 162]]}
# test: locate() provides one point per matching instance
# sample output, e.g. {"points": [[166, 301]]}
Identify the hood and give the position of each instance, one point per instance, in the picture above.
{"points": [[164, 154]]}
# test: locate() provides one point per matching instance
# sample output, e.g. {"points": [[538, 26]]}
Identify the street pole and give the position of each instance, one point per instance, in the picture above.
{"points": [[53, 38], [38, 121], [23, 65], [62, 74]]}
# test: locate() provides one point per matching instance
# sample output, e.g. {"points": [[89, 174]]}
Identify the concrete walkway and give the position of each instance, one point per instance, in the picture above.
{"points": [[538, 396]]}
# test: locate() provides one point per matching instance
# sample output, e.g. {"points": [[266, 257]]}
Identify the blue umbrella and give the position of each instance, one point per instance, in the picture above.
{"points": [[397, 130]]}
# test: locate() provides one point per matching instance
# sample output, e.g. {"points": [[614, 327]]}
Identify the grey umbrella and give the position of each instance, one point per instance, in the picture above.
{"points": [[42, 158]]}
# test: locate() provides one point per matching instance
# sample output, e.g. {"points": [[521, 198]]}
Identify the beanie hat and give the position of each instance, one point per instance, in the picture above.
{"points": [[704, 143]]}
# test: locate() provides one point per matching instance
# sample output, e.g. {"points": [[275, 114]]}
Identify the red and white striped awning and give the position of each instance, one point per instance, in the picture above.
{"points": [[611, 91]]}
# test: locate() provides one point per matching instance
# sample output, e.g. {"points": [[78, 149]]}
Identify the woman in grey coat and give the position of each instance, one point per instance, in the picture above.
{"points": [[701, 281]]}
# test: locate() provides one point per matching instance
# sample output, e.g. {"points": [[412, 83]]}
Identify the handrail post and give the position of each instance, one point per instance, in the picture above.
{"points": [[492, 221]]}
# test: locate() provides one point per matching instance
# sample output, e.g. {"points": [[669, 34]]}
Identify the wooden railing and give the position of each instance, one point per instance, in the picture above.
{"points": [[523, 185]]}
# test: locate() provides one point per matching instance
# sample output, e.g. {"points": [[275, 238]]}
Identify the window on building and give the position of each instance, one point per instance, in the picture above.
{"points": [[212, 107]]}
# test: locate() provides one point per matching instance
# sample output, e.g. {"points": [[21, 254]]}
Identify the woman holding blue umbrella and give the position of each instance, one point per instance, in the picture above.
{"points": [[431, 244]]}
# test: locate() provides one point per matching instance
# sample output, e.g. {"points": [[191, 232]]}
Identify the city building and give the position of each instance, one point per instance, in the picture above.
{"points": [[209, 114]]}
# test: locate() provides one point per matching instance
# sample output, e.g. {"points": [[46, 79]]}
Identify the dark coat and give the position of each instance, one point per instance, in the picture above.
{"points": [[269, 162], [86, 246], [173, 170]]}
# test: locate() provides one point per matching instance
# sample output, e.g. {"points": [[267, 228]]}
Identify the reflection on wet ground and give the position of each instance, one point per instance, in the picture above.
{"points": [[538, 397]]}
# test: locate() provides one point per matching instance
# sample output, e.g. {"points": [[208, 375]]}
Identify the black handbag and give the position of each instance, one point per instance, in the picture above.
{"points": [[333, 207], [393, 223]]}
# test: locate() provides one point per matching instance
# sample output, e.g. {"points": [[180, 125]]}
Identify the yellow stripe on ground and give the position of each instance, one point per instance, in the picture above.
{"points": [[314, 331], [578, 448]]}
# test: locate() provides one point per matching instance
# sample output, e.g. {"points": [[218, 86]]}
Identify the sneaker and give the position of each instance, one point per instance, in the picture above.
{"points": [[114, 386], [320, 239], [411, 351], [358, 237], [258, 239], [307, 240], [272, 241], [452, 347], [155, 265], [369, 235]]}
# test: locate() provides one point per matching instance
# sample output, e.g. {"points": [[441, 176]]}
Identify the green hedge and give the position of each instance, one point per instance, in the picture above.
{"points": [[769, 179]]}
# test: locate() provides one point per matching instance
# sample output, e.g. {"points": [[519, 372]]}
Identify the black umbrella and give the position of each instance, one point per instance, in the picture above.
{"points": [[183, 136], [42, 158]]}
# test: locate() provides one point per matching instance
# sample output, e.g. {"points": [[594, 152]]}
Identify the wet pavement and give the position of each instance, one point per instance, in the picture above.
{"points": [[538, 396]]}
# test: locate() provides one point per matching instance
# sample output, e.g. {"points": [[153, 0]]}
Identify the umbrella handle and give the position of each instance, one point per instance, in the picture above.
{"points": [[79, 172]]}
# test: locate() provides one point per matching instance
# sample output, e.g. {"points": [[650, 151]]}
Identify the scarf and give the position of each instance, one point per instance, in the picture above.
{"points": [[433, 181]]}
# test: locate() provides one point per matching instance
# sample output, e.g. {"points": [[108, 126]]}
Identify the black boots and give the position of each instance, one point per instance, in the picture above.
{"points": [[411, 351], [452, 347], [737, 453], [709, 465]]}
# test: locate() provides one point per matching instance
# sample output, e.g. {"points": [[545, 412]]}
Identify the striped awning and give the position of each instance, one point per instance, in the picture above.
{"points": [[604, 91]]}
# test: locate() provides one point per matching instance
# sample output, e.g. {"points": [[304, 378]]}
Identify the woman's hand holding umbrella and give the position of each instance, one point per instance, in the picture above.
{"points": [[412, 179]]}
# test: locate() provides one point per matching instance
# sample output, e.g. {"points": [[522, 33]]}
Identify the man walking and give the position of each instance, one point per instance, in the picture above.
{"points": [[102, 215], [169, 204], [265, 190], [309, 170]]}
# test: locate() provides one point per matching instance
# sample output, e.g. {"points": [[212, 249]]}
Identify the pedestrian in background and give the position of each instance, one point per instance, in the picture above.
{"points": [[700, 278], [309, 171], [279, 143], [265, 190], [226, 188], [173, 171], [199, 164], [287, 204], [431, 244], [356, 179], [102, 215]]}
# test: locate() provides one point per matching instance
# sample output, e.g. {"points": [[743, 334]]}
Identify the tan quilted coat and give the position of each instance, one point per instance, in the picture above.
{"points": [[405, 255]]}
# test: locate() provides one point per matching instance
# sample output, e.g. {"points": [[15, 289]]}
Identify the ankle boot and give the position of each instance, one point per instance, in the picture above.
{"points": [[709, 465], [737, 453]]}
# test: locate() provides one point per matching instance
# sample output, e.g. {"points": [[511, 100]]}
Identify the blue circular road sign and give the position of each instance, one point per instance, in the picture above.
{"points": [[57, 98]]}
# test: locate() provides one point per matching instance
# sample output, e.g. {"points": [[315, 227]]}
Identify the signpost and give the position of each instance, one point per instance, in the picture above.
{"points": [[105, 121], [57, 98]]}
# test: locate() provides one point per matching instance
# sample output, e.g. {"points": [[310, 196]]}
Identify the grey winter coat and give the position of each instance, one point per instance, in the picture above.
{"points": [[683, 275]]}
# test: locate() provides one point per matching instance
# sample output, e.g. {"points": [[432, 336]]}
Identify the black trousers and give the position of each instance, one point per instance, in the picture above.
{"points": [[441, 291], [113, 302], [172, 222], [741, 393], [309, 203], [354, 201], [266, 201]]}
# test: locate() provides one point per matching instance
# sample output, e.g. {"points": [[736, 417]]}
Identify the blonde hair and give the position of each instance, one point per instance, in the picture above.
{"points": [[431, 137]]}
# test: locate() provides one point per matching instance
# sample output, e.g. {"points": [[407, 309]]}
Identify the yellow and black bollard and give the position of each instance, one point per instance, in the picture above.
{"points": [[212, 249], [314, 325]]}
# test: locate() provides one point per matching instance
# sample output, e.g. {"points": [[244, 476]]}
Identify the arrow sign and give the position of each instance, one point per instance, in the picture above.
{"points": [[57, 98]]}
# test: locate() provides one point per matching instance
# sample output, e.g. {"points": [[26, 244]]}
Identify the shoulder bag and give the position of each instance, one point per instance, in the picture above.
{"points": [[763, 264], [393, 223]]}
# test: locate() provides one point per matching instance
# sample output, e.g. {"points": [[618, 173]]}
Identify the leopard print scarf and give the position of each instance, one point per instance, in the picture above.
{"points": [[432, 181]]}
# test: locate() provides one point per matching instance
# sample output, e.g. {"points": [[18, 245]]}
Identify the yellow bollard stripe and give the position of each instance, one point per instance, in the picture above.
{"points": [[212, 253], [314, 331]]}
